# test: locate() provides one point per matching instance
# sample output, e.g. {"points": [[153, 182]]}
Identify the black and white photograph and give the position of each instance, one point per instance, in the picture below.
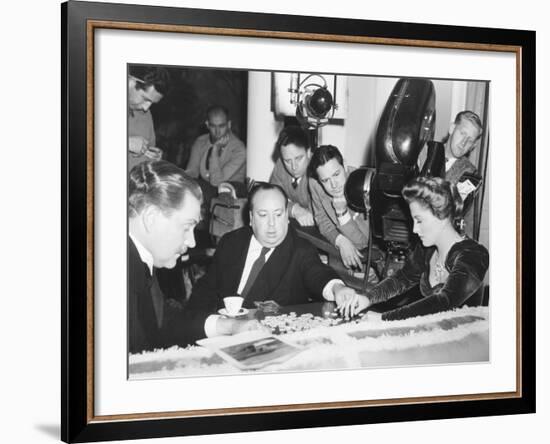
{"points": [[275, 222], [284, 221]]}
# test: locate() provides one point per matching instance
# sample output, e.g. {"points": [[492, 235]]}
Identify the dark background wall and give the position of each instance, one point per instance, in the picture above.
{"points": [[179, 117]]}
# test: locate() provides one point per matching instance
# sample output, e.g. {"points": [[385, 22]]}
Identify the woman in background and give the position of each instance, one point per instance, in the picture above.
{"points": [[448, 267]]}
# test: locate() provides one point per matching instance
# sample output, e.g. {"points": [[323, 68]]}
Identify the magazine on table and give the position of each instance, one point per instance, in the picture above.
{"points": [[251, 350]]}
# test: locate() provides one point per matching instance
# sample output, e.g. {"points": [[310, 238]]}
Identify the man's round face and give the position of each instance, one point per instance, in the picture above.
{"points": [[142, 99], [295, 159], [463, 138], [269, 218], [218, 126], [171, 235], [332, 176]]}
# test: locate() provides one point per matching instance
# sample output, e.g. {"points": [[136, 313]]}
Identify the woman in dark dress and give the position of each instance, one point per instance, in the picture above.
{"points": [[448, 267]]}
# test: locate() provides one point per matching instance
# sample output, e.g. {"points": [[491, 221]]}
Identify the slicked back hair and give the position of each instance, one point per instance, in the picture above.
{"points": [[161, 184]]}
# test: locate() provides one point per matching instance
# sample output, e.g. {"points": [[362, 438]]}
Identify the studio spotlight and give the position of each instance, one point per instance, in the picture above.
{"points": [[314, 102]]}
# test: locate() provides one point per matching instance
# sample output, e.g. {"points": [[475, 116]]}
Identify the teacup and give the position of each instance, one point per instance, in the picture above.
{"points": [[233, 304]]}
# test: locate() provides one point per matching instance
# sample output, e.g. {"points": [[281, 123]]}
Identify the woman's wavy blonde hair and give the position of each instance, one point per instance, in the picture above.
{"points": [[439, 195]]}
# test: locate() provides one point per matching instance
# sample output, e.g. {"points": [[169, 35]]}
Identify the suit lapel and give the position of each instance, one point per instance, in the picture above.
{"points": [[235, 266], [143, 282]]}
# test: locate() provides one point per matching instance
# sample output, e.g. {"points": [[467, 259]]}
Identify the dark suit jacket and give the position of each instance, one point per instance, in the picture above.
{"points": [[293, 274], [143, 330], [458, 168]]}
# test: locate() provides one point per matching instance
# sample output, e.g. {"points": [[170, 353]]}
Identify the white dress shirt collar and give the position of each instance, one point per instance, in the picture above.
{"points": [[144, 254]]}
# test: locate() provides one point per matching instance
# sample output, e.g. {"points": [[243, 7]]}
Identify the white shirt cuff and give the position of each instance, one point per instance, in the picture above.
{"points": [[210, 326], [328, 294]]}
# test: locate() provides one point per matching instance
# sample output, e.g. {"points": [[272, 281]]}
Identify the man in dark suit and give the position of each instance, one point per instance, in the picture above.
{"points": [[151, 324], [290, 270], [164, 208]]}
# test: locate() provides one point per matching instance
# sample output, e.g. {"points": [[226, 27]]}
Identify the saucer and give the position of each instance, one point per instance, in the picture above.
{"points": [[241, 312]]}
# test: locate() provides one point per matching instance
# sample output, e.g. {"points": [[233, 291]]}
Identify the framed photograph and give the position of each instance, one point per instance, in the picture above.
{"points": [[354, 86]]}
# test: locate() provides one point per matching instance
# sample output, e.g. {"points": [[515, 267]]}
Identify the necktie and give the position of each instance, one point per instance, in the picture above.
{"points": [[254, 271], [294, 182], [158, 299], [207, 163]]}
